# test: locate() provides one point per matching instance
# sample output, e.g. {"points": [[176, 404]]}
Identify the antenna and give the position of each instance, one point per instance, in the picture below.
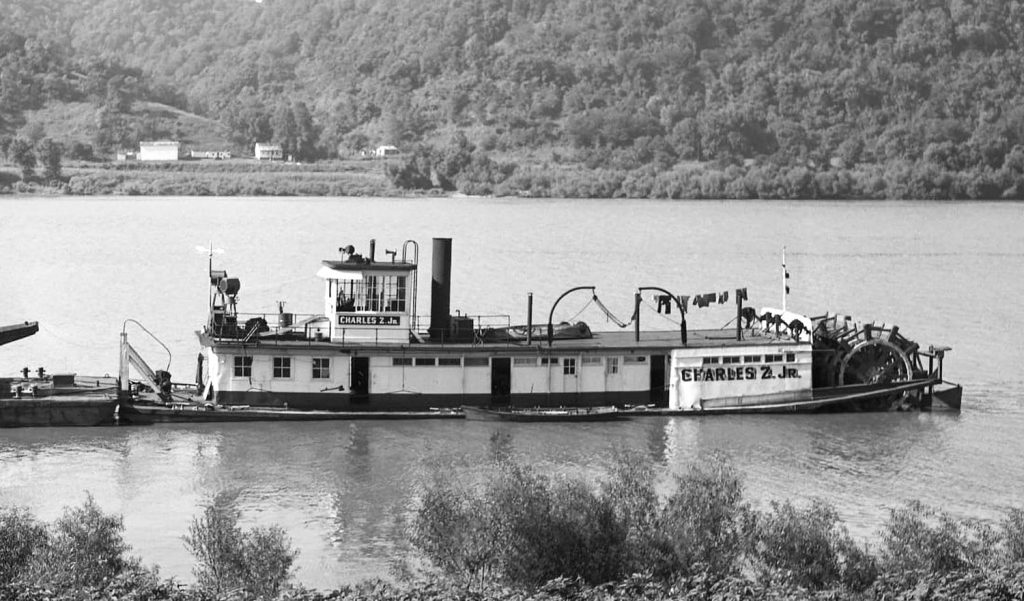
{"points": [[210, 250]]}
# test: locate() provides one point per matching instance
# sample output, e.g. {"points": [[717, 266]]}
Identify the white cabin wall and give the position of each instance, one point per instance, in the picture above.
{"points": [[477, 379], [756, 381], [528, 379], [222, 372]]}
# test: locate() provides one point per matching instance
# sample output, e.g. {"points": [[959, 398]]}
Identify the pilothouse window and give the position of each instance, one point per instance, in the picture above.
{"points": [[378, 294]]}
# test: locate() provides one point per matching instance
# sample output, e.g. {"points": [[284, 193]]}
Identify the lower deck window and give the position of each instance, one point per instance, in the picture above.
{"points": [[476, 362], [569, 366], [243, 367], [524, 361], [401, 361], [591, 360], [612, 366], [282, 367], [425, 361], [321, 368], [449, 361]]}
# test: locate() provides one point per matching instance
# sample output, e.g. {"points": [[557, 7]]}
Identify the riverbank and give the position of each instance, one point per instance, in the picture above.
{"points": [[535, 176]]}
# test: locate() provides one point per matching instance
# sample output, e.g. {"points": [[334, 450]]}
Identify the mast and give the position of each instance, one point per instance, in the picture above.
{"points": [[785, 279]]}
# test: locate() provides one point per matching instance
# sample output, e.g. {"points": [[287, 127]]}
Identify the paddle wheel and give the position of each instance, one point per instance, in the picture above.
{"points": [[849, 353]]}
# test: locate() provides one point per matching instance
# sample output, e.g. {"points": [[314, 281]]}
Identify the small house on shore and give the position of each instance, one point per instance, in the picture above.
{"points": [[268, 152], [385, 151], [159, 150], [210, 154]]}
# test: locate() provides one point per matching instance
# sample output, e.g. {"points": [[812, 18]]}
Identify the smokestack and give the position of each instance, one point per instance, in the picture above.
{"points": [[440, 288]]}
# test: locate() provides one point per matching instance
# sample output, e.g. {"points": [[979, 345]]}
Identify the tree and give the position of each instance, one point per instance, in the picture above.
{"points": [[286, 131], [23, 156], [305, 132], [50, 154]]}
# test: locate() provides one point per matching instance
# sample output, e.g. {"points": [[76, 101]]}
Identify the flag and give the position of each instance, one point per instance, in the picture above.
{"points": [[741, 294], [723, 297], [683, 301]]}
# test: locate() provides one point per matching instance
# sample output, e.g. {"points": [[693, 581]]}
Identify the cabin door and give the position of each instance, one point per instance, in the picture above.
{"points": [[360, 384], [659, 392], [501, 380]]}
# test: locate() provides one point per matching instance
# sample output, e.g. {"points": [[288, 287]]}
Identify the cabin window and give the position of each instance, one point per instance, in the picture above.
{"points": [[790, 357], [752, 359], [710, 361], [425, 361], [243, 367], [569, 366], [476, 362], [282, 367], [449, 361], [401, 361], [635, 359], [549, 360], [773, 358], [321, 368], [730, 360], [524, 361], [591, 360], [612, 366]]}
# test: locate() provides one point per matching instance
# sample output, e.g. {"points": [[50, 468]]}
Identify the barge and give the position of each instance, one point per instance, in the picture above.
{"points": [[370, 352], [58, 400]]}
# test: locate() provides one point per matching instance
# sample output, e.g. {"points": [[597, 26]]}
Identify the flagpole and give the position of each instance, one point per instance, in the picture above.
{"points": [[785, 284]]}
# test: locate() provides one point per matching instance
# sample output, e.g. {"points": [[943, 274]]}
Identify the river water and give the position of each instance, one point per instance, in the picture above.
{"points": [[946, 273]]}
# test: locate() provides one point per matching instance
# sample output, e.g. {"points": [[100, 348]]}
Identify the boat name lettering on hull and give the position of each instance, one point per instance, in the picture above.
{"points": [[369, 320], [730, 374]]}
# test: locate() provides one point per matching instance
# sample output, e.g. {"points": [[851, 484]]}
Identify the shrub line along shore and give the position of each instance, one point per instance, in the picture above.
{"points": [[520, 535], [414, 175]]}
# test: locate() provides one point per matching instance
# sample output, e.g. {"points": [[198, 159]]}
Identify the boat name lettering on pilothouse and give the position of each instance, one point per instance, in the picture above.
{"points": [[369, 320], [730, 374]]}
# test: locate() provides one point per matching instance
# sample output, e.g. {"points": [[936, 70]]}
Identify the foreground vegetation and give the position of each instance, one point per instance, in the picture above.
{"points": [[522, 535]]}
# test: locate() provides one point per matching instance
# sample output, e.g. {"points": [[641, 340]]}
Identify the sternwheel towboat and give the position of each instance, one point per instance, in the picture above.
{"points": [[369, 354]]}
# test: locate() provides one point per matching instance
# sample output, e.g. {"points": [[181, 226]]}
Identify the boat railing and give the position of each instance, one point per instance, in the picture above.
{"points": [[269, 327]]}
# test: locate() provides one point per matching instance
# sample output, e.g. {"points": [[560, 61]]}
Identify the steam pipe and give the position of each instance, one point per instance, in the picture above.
{"points": [[551, 328], [682, 311]]}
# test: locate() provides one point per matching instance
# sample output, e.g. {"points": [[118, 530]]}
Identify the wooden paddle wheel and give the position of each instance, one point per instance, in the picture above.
{"points": [[849, 353]]}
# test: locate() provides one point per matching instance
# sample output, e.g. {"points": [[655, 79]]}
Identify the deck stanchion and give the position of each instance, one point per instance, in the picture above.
{"points": [[636, 315], [529, 319]]}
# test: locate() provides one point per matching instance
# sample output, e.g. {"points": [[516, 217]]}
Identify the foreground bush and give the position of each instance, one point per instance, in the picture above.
{"points": [[254, 563], [20, 536], [521, 529], [520, 535]]}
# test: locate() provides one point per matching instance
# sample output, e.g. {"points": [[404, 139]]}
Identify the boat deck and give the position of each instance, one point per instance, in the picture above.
{"points": [[624, 340]]}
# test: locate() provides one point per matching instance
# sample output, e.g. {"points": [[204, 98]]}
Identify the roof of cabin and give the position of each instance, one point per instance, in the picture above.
{"points": [[621, 341], [363, 265]]}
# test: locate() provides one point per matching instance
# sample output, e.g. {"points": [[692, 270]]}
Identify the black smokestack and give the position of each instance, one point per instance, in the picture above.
{"points": [[441, 288]]}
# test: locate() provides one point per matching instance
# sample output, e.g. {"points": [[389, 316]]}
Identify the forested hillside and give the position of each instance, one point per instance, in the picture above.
{"points": [[747, 98]]}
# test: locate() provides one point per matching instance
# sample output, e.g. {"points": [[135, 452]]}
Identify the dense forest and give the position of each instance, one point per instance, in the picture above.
{"points": [[669, 98]]}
